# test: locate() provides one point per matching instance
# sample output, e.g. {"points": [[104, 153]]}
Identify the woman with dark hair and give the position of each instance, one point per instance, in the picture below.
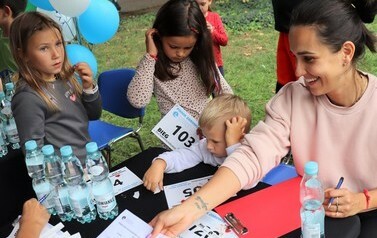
{"points": [[329, 116], [179, 65]]}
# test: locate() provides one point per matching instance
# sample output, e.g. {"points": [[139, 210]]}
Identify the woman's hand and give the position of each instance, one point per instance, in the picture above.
{"points": [[34, 218], [345, 203], [149, 42], [85, 73], [172, 222]]}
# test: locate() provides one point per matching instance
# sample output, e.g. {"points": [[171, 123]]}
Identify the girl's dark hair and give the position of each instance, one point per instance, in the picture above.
{"points": [[184, 18], [22, 29], [338, 21]]}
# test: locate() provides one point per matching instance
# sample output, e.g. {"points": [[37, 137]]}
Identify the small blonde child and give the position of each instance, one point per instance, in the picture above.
{"points": [[223, 123], [215, 26]]}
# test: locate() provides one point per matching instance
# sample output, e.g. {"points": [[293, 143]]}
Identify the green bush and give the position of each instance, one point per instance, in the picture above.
{"points": [[240, 16]]}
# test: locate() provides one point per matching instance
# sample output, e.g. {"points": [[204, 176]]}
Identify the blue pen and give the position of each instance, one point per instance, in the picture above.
{"points": [[43, 198], [337, 187]]}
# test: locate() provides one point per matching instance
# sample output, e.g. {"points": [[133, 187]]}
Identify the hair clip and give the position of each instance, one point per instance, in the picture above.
{"points": [[353, 5]]}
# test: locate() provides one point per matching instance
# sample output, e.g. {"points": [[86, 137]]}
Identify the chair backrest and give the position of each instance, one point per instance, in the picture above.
{"points": [[113, 85]]}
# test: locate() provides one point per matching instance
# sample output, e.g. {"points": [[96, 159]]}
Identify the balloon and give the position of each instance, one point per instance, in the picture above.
{"points": [[30, 7], [71, 8], [66, 23], [99, 22], [78, 53], [44, 4]]}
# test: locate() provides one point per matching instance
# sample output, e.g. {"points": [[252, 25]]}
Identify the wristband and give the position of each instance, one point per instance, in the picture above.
{"points": [[153, 56], [92, 90], [367, 197]]}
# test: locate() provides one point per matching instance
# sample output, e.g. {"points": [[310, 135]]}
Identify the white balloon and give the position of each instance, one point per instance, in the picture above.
{"points": [[67, 24], [71, 8]]}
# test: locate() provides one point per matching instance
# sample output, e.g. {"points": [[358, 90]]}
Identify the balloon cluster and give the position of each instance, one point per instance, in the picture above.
{"points": [[97, 21]]}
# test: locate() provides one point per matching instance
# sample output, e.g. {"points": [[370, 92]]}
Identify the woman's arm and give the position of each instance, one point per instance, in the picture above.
{"points": [[222, 186]]}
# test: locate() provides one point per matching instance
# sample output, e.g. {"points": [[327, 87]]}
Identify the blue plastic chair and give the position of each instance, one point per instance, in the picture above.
{"points": [[279, 174], [112, 85]]}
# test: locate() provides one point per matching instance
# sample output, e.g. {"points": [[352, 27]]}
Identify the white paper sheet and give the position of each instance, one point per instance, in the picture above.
{"points": [[211, 225], [127, 225], [124, 179], [176, 193]]}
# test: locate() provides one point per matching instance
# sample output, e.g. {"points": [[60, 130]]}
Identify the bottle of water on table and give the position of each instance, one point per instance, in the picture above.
{"points": [[3, 104], [35, 166], [34, 159], [43, 189], [311, 197], [78, 190], [11, 128], [54, 174], [102, 187]]}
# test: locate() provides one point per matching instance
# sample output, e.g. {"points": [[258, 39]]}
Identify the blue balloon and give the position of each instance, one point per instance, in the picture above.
{"points": [[44, 4], [99, 22], [78, 53]]}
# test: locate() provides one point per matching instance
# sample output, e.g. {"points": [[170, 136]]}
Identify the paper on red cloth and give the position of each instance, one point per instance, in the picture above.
{"points": [[270, 212]]}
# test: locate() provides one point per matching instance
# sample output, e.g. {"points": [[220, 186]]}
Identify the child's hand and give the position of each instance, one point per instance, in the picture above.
{"points": [[153, 178], [235, 130], [210, 27], [149, 42], [85, 74]]}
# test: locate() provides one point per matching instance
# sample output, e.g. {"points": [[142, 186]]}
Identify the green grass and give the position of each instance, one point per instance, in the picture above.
{"points": [[249, 62]]}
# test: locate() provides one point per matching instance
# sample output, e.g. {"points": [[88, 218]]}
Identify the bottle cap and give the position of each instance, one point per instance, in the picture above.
{"points": [[47, 149], [9, 86], [311, 168], [91, 147], [30, 145], [66, 150], [2, 95]]}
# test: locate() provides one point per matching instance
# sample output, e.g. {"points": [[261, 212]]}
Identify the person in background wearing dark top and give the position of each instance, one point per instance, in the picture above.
{"points": [[33, 219], [328, 115], [9, 9], [285, 60]]}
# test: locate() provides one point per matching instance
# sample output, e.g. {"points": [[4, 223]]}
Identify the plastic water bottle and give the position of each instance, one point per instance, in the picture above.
{"points": [[78, 190], [3, 144], [11, 128], [42, 188], [54, 174], [311, 197], [9, 91], [3, 119], [34, 160], [102, 188]]}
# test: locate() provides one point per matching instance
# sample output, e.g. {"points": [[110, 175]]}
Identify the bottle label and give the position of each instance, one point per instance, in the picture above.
{"points": [[105, 203], [311, 231]]}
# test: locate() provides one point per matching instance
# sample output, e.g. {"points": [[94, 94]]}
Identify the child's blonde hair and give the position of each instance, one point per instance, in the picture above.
{"points": [[22, 28], [223, 108]]}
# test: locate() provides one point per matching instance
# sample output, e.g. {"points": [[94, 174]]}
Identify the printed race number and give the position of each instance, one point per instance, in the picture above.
{"points": [[177, 129]]}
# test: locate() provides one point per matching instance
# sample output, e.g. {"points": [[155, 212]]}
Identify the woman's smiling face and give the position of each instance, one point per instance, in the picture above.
{"points": [[321, 68]]}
